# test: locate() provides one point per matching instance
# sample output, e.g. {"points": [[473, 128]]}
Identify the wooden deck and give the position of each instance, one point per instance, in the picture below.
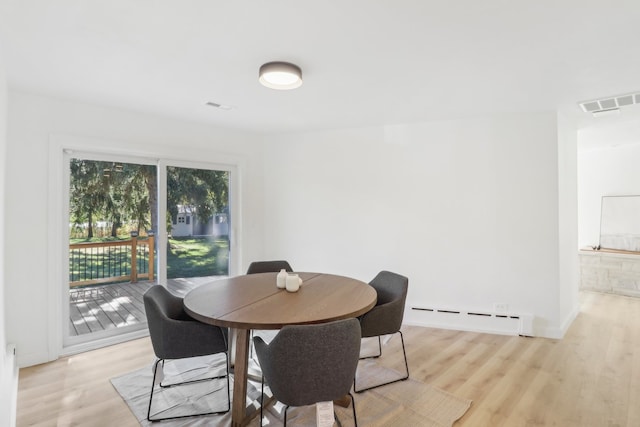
{"points": [[103, 307]]}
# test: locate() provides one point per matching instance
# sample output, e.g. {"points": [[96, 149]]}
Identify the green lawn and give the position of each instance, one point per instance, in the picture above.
{"points": [[99, 239], [186, 257], [197, 256]]}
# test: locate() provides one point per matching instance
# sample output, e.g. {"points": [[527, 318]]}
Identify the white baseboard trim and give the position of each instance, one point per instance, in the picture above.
{"points": [[25, 360], [456, 327], [31, 359], [504, 323], [9, 387]]}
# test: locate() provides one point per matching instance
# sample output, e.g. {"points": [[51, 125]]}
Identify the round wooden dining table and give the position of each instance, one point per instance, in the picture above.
{"points": [[254, 302]]}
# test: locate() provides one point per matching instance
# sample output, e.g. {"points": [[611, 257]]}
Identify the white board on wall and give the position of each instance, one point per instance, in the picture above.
{"points": [[620, 223]]}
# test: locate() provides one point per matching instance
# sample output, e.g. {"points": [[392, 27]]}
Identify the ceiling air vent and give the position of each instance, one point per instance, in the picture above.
{"points": [[220, 106], [609, 104]]}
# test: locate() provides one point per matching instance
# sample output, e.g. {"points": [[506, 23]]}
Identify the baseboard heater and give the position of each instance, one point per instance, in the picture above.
{"points": [[505, 323]]}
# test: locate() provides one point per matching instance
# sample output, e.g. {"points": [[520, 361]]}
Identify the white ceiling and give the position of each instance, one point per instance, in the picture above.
{"points": [[364, 62]]}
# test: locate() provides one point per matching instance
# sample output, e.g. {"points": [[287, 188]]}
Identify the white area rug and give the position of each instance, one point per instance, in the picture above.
{"points": [[405, 403]]}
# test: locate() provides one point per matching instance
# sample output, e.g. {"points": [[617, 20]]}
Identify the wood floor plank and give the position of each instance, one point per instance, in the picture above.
{"points": [[125, 309], [106, 306], [75, 390], [123, 301], [590, 378], [76, 321], [89, 318], [107, 319], [633, 410]]}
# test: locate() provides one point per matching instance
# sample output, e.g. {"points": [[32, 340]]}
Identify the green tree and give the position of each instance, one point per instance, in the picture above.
{"points": [[89, 192], [206, 191], [139, 195], [120, 192], [110, 192]]}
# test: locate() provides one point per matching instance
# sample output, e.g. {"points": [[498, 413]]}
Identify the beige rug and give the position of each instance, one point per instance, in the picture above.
{"points": [[406, 403]]}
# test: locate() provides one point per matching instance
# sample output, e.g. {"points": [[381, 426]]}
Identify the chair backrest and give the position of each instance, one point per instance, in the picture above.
{"points": [[268, 267], [175, 335], [159, 303], [160, 306], [305, 364], [386, 317]]}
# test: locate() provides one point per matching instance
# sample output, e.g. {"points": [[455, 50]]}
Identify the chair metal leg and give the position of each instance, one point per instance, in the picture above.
{"points": [[353, 405], [261, 399], [229, 385], [406, 365], [379, 351], [193, 381], [251, 351], [155, 370], [153, 386]]}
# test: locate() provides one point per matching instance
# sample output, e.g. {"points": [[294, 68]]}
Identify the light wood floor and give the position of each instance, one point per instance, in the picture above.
{"points": [[590, 378]]}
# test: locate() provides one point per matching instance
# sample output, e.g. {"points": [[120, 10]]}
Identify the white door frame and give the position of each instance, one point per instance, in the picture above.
{"points": [[61, 149]]}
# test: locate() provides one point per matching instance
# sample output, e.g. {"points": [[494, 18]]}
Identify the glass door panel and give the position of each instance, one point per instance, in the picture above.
{"points": [[111, 262], [198, 226]]}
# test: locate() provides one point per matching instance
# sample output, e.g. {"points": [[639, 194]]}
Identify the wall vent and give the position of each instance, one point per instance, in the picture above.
{"points": [[610, 103]]}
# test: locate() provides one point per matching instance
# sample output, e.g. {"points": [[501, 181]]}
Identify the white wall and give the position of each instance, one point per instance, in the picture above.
{"points": [[468, 210], [32, 122], [568, 218], [604, 171], [8, 372]]}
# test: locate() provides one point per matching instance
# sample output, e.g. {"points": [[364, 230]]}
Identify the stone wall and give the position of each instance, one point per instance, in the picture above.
{"points": [[617, 273]]}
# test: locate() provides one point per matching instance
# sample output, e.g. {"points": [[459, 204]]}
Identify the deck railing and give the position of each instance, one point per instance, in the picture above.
{"points": [[106, 262]]}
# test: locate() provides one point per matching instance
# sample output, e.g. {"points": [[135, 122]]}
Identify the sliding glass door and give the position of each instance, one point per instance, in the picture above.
{"points": [[134, 223]]}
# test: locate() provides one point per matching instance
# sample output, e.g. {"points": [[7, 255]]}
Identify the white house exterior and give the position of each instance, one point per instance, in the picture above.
{"points": [[186, 223]]}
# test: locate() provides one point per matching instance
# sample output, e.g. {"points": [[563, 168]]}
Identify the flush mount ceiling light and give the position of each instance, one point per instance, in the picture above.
{"points": [[280, 75]]}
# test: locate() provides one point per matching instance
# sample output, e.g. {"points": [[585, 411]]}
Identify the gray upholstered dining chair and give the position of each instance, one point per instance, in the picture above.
{"points": [[385, 317], [306, 364], [175, 335], [268, 267]]}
